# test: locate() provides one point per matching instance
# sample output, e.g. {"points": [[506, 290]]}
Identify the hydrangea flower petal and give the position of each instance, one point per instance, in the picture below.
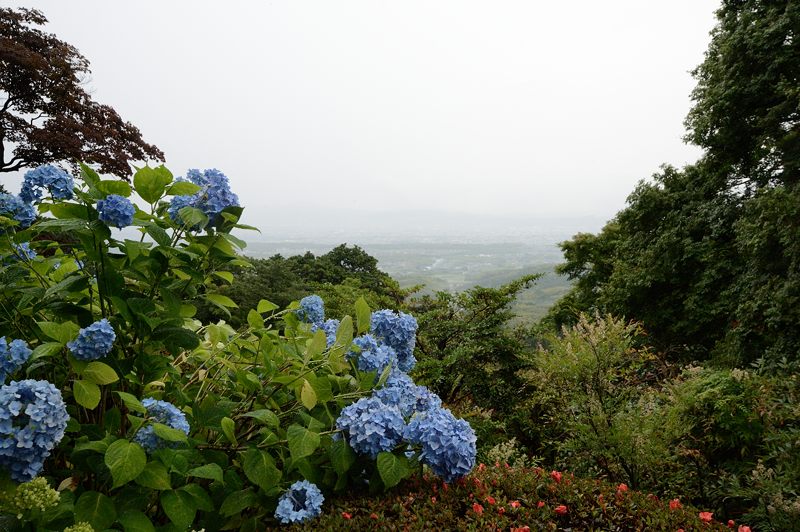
{"points": [[302, 501], [94, 341]]}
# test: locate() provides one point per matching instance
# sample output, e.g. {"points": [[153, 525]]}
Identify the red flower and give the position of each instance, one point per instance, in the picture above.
{"points": [[744, 528], [541, 503], [445, 487], [373, 515], [501, 510], [477, 508], [731, 523], [555, 476], [622, 488], [561, 509], [490, 500], [507, 466], [346, 515], [481, 466], [674, 504], [433, 500], [515, 504], [706, 517], [525, 528], [680, 530], [497, 464]]}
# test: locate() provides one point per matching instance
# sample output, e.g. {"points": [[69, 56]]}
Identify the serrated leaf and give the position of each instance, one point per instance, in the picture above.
{"points": [[229, 429], [99, 373], [183, 188], [237, 502], [132, 402], [126, 460], [223, 301], [87, 394], [260, 469], [267, 417], [46, 349], [363, 315], [109, 186], [308, 397], [344, 334], [180, 507], [151, 182], [316, 346], [228, 276], [135, 521], [392, 468], [60, 332], [168, 433], [302, 442], [210, 471], [96, 509], [342, 456], [158, 235], [155, 476], [255, 320], [265, 306]]}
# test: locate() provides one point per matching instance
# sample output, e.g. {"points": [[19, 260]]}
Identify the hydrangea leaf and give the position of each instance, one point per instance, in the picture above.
{"points": [[255, 320], [96, 509], [308, 397], [131, 402], [180, 507], [126, 460], [135, 521], [229, 429], [266, 306], [363, 315], [183, 188], [342, 456], [210, 471], [165, 432], [238, 501], [154, 476], [87, 394], [316, 346], [344, 334], [267, 417], [60, 332], [260, 469], [114, 186], [100, 373], [392, 468], [45, 350], [302, 442], [151, 182]]}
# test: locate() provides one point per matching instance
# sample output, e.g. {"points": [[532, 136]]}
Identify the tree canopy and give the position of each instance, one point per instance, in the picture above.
{"points": [[46, 114]]}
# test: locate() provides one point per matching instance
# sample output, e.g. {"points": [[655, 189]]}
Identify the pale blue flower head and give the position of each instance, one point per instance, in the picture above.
{"points": [[94, 341], [46, 177], [448, 443], [116, 210], [166, 414], [23, 251], [371, 426], [13, 207], [33, 418], [302, 501], [214, 196], [312, 309], [12, 356], [407, 396], [398, 331], [330, 327]]}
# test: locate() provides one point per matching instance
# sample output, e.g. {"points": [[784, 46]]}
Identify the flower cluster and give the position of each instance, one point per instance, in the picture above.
{"points": [[214, 196], [94, 341], [116, 210], [13, 207], [83, 526], [330, 327], [33, 418], [398, 331], [166, 414], [35, 495], [372, 426], [12, 356], [302, 501], [311, 310], [46, 177], [448, 443], [407, 396], [23, 251]]}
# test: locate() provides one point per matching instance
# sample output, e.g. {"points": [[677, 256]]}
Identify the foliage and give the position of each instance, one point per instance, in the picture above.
{"points": [[171, 422], [500, 497], [48, 115]]}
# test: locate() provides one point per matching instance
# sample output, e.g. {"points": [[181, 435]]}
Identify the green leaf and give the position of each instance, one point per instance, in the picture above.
{"points": [[113, 186], [87, 394], [260, 469], [155, 476], [302, 442], [363, 315], [69, 211], [135, 521], [193, 217], [158, 235], [229, 429], [151, 182], [99, 373], [316, 346], [392, 469], [125, 460], [228, 276], [342, 456], [60, 332], [265, 306], [46, 349], [96, 509], [237, 502], [267, 417], [183, 188], [344, 334], [210, 471], [167, 433], [307, 395], [255, 320], [223, 301], [131, 402], [180, 507], [90, 177]]}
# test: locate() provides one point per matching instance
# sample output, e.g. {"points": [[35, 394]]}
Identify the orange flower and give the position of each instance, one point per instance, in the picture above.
{"points": [[433, 500], [525, 528], [674, 504], [731, 523], [501, 510], [477, 508], [744, 528], [622, 488], [373, 515], [490, 500], [555, 475], [561, 509], [515, 504], [481, 466], [541, 503], [346, 515], [706, 517]]}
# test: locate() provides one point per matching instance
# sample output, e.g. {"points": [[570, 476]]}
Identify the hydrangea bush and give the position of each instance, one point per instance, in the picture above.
{"points": [[143, 418]]}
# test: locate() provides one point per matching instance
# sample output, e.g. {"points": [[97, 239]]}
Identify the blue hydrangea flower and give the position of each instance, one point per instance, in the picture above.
{"points": [[94, 341], [398, 331], [408, 397], [214, 196], [12, 356], [33, 418], [24, 251], [46, 177], [166, 414], [372, 426], [116, 210], [373, 355], [448, 443], [302, 501], [330, 327], [13, 207], [312, 309]]}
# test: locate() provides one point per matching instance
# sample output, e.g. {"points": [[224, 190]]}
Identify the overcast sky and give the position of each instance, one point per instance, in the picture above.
{"points": [[486, 108]]}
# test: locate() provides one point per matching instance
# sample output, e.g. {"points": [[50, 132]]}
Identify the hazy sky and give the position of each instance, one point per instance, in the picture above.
{"points": [[494, 107]]}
